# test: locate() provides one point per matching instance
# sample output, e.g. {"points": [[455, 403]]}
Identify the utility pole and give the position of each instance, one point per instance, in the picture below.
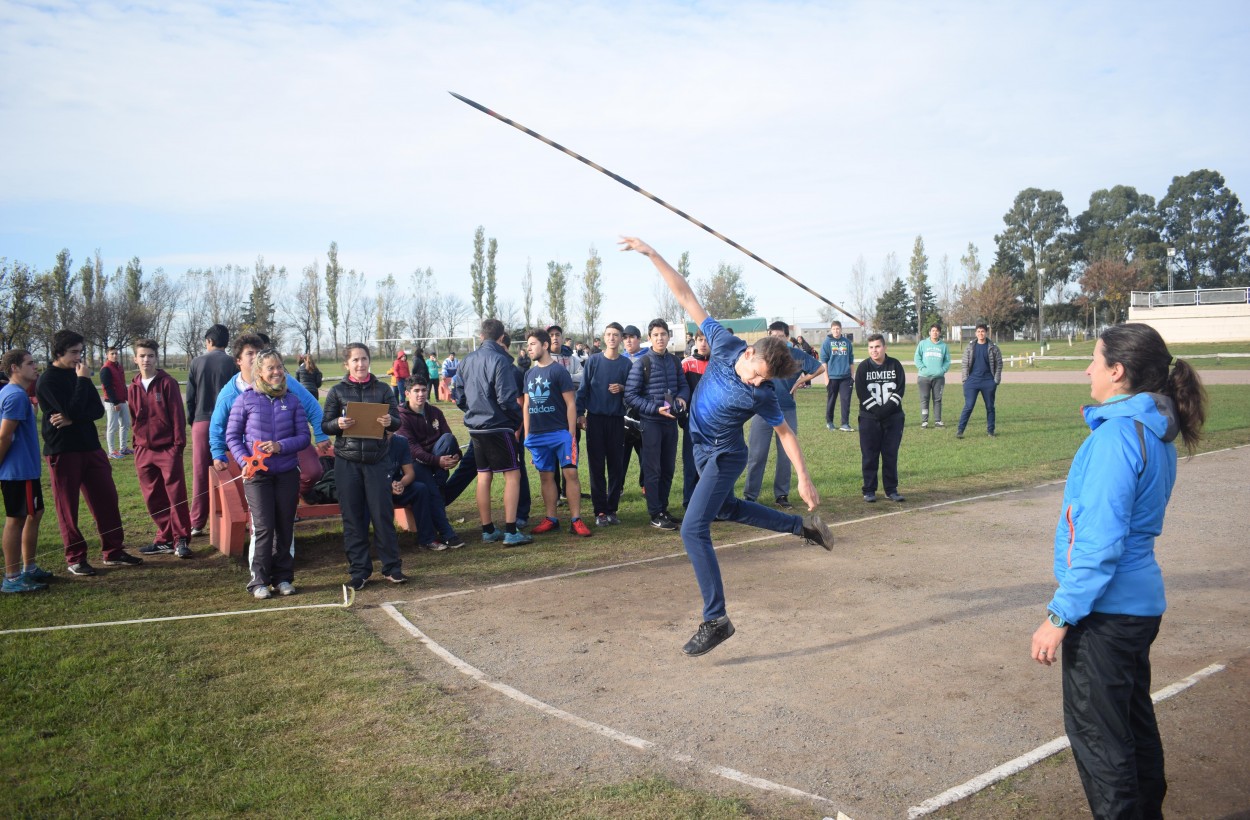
{"points": [[1041, 272]]}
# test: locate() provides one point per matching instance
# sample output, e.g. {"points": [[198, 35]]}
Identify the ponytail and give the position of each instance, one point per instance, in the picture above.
{"points": [[1184, 388]]}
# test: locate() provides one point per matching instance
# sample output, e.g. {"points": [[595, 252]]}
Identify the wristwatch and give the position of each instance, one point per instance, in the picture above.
{"points": [[1056, 621]]}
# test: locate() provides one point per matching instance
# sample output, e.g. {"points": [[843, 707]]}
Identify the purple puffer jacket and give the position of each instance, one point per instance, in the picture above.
{"points": [[256, 417]]}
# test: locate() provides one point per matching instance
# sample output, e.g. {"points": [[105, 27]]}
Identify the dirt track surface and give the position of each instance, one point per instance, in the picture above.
{"points": [[875, 677]]}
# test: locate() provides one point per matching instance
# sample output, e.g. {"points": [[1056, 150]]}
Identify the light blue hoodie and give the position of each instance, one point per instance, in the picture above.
{"points": [[1117, 490]]}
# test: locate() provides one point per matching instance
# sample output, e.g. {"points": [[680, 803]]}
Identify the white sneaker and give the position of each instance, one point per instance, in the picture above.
{"points": [[924, 424], [938, 424], [286, 588], [261, 593]]}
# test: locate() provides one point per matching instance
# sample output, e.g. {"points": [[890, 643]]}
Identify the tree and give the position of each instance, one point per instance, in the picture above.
{"points": [[423, 304], [57, 307], [451, 311], [354, 307], [491, 280], [1112, 282], [724, 294], [1204, 221], [303, 313], [161, 298], [1037, 236], [17, 305], [258, 316], [994, 302], [895, 310], [477, 273], [919, 280], [527, 293], [947, 290], [134, 281], [333, 272], [391, 308], [592, 294], [666, 304], [863, 295], [557, 286], [1120, 224]]}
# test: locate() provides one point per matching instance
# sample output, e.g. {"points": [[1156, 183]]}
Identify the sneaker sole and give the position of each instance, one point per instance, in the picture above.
{"points": [[826, 534]]}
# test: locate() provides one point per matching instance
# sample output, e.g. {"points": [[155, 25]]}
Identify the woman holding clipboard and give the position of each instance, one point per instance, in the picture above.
{"points": [[361, 470]]}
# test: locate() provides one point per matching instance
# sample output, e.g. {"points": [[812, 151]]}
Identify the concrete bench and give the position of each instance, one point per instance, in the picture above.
{"points": [[229, 518]]}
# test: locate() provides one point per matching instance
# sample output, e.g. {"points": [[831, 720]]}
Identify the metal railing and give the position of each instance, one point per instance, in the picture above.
{"points": [[1177, 298]]}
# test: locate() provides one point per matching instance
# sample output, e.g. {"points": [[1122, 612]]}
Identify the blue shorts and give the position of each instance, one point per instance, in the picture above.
{"points": [[552, 448]]}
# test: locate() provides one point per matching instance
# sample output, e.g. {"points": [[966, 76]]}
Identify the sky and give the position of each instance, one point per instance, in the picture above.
{"points": [[205, 134]]}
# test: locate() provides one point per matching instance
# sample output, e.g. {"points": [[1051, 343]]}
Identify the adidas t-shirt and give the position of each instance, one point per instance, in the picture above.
{"points": [[546, 387], [723, 402]]}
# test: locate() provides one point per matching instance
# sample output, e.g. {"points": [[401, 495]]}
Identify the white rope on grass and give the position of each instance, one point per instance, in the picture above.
{"points": [[1039, 754], [467, 669], [349, 597]]}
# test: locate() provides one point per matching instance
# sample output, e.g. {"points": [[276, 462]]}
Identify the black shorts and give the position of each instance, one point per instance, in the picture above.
{"points": [[495, 452], [22, 498]]}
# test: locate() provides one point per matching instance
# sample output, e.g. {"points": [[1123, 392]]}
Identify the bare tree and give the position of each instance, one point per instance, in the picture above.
{"points": [[225, 295], [527, 293], [303, 313], [592, 294], [451, 312], [509, 314], [162, 296], [423, 304], [391, 307], [863, 293], [17, 305], [193, 317], [666, 303], [946, 289], [353, 306]]}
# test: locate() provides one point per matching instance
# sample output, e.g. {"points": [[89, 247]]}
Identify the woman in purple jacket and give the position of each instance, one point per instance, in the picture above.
{"points": [[270, 419]]}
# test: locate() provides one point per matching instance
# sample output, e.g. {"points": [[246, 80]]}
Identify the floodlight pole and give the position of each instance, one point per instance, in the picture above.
{"points": [[1040, 273]]}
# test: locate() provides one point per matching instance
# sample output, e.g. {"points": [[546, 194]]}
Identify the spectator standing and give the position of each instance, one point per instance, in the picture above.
{"points": [[933, 359], [633, 351], [160, 436], [658, 391], [837, 354], [982, 371], [362, 472], [116, 411], [266, 416], [19, 475], [309, 375], [432, 370], [761, 438], [493, 416], [209, 373], [71, 406], [601, 410], [450, 366], [399, 369], [880, 382], [693, 367], [549, 411]]}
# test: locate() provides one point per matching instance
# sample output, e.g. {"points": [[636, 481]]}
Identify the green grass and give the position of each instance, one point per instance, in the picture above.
{"points": [[313, 714]]}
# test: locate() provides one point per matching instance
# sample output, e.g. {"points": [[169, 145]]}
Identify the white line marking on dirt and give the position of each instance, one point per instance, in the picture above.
{"points": [[478, 675], [1039, 754]]}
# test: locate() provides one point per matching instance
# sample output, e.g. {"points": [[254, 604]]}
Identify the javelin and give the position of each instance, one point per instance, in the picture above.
{"points": [[655, 199]]}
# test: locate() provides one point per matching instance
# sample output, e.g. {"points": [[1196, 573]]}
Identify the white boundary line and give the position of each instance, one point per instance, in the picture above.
{"points": [[1039, 754], [347, 601], [471, 671]]}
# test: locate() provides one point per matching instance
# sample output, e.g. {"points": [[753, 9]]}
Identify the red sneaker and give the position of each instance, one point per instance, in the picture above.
{"points": [[546, 525], [579, 528]]}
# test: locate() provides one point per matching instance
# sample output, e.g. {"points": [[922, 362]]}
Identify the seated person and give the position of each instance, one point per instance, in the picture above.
{"points": [[434, 451]]}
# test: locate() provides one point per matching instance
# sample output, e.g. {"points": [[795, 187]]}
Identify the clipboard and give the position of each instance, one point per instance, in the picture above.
{"points": [[366, 414]]}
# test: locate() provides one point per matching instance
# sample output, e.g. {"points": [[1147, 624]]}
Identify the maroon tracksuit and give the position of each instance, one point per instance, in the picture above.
{"points": [[77, 462], [159, 431]]}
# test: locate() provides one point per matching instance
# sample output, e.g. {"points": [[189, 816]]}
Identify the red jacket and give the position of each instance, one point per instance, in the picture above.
{"points": [[400, 368], [113, 380], [158, 420]]}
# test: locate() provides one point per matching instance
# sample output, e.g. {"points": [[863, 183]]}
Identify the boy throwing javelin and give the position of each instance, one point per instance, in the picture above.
{"points": [[736, 385]]}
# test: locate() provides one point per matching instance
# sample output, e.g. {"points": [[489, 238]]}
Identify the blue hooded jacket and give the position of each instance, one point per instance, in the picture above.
{"points": [[1113, 503]]}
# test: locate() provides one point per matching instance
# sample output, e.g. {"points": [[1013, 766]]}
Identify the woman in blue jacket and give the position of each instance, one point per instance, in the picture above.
{"points": [[1110, 600], [271, 419]]}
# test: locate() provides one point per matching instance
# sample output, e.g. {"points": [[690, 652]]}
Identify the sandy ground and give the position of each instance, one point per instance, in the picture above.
{"points": [[869, 679]]}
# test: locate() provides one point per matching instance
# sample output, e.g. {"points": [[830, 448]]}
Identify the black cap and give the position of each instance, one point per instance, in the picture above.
{"points": [[632, 330]]}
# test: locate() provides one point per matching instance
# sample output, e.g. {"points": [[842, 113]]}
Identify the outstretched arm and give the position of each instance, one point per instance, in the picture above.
{"points": [[675, 281]]}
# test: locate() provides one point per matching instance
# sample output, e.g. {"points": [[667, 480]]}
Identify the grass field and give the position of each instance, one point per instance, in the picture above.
{"points": [[310, 714]]}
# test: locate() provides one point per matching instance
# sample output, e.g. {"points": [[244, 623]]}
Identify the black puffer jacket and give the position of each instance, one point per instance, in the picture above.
{"points": [[362, 450]]}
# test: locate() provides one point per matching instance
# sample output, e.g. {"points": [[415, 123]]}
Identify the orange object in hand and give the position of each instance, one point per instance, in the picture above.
{"points": [[255, 463]]}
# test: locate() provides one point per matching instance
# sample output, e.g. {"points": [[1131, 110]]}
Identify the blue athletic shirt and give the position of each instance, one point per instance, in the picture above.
{"points": [[723, 402], [21, 463], [807, 366], [546, 387]]}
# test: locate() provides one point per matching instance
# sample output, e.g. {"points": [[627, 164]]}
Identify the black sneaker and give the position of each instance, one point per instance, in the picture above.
{"points": [[612, 519], [182, 549], [601, 520], [81, 568], [710, 635], [397, 577], [662, 522], [156, 548], [122, 559], [358, 583], [675, 519], [895, 496], [784, 502], [816, 531], [455, 542], [871, 498]]}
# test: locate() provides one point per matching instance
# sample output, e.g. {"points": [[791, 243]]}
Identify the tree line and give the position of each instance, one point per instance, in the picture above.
{"points": [[1075, 267]]}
